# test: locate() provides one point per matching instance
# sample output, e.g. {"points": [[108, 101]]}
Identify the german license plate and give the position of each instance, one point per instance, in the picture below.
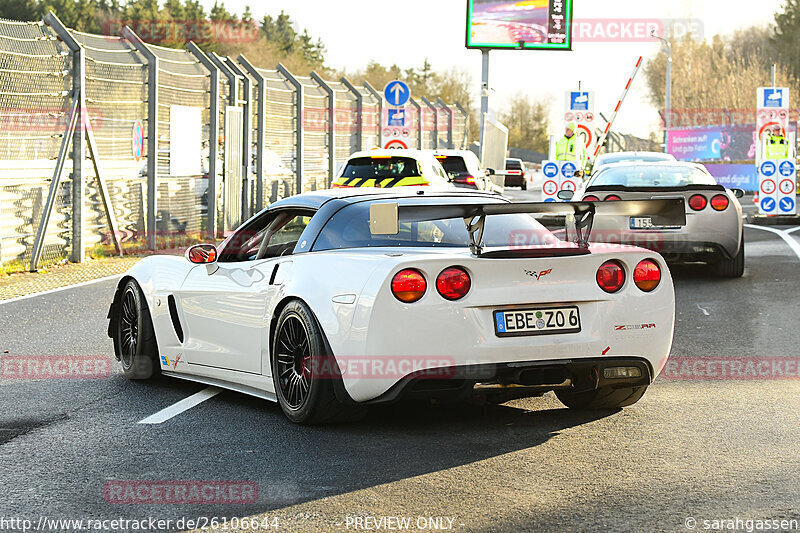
{"points": [[537, 321], [647, 223]]}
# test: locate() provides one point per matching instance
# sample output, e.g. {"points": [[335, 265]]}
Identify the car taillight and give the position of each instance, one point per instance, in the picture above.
{"points": [[453, 283], [647, 275], [611, 276], [408, 285], [612, 197], [698, 202], [590, 198], [470, 180], [720, 202]]}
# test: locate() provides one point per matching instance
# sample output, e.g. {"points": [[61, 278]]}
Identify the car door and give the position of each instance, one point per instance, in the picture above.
{"points": [[224, 305]]}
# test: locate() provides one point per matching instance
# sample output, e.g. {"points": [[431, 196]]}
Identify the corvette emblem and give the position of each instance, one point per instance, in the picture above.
{"points": [[538, 275], [177, 358]]}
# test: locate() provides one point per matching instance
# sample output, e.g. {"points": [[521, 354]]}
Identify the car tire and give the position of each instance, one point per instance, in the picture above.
{"points": [[303, 370], [732, 268], [134, 338], [602, 398], [524, 185]]}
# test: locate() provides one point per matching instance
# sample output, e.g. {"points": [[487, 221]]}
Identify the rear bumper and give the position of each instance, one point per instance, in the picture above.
{"points": [[513, 180], [516, 380]]}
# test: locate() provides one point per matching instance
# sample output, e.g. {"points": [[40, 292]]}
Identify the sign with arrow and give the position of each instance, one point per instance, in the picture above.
{"points": [[397, 93]]}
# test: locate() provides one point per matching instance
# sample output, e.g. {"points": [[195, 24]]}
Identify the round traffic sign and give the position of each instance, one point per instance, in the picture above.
{"points": [[786, 204], [586, 133], [550, 170], [568, 169], [786, 168], [137, 140], [396, 144], [589, 117], [769, 125], [768, 168], [568, 185], [578, 117], [768, 204], [568, 116], [767, 186], [397, 93], [550, 187], [787, 186]]}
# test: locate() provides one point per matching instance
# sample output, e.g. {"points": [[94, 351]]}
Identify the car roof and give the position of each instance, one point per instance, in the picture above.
{"points": [[666, 163], [383, 152]]}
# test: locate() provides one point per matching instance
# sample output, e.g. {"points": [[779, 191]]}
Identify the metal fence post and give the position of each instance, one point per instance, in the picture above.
{"points": [[152, 132], [378, 97], [360, 111], [420, 125], [463, 111], [298, 87], [331, 125], [213, 136], [435, 122], [450, 123], [261, 110], [247, 140]]}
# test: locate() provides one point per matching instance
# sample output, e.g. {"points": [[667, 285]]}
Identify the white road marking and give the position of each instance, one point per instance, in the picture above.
{"points": [[793, 230], [181, 406], [704, 310], [793, 244], [57, 289]]}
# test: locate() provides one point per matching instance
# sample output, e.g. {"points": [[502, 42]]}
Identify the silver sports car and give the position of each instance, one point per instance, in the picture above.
{"points": [[713, 231]]}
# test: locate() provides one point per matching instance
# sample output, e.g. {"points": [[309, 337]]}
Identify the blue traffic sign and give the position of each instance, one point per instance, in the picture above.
{"points": [[786, 204], [568, 170], [786, 168], [397, 117], [772, 98], [550, 170], [578, 101], [549, 200], [397, 93], [768, 204], [768, 168]]}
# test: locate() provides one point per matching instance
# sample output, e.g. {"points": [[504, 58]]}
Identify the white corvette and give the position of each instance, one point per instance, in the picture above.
{"points": [[329, 301]]}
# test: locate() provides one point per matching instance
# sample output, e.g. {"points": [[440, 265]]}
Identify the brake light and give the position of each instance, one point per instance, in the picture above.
{"points": [[470, 180], [590, 198], [612, 198], [698, 202], [611, 276], [453, 283], [408, 285], [647, 275], [720, 202]]}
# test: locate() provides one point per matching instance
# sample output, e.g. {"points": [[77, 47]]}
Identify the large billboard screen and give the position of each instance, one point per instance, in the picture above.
{"points": [[521, 24]]}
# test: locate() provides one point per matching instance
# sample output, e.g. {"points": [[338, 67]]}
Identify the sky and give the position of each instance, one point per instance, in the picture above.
{"points": [[405, 32]]}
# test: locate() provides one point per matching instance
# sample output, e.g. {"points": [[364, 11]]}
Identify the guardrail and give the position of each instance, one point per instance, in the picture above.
{"points": [[265, 133]]}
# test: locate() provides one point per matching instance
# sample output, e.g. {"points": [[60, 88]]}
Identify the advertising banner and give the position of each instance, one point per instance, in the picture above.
{"points": [[521, 24]]}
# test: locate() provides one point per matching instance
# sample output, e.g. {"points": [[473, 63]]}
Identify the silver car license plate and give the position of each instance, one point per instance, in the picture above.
{"points": [[537, 321], [647, 223]]}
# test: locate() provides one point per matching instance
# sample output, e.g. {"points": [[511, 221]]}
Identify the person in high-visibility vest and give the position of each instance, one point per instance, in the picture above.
{"points": [[775, 145], [571, 147]]}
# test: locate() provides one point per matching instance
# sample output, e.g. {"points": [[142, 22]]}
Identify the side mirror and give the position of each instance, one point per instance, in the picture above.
{"points": [[490, 172], [565, 195], [202, 254], [579, 174], [738, 193]]}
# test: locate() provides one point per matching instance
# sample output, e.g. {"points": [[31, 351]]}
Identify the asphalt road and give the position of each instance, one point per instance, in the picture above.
{"points": [[693, 449]]}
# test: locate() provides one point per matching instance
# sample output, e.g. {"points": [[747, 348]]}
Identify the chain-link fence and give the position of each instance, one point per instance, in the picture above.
{"points": [[170, 122]]}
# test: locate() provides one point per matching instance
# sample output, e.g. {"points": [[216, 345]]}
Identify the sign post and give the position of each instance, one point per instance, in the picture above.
{"points": [[394, 122], [580, 108], [558, 176], [777, 178]]}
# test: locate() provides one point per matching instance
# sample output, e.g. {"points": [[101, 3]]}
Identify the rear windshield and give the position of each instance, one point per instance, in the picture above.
{"points": [[513, 165], [453, 164], [349, 228], [652, 176], [646, 158], [381, 167]]}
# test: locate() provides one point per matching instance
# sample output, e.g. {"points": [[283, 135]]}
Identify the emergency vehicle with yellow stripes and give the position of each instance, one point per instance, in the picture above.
{"points": [[393, 168]]}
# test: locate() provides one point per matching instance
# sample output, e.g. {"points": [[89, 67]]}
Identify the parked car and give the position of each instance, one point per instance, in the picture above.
{"points": [[393, 168], [515, 174], [464, 168]]}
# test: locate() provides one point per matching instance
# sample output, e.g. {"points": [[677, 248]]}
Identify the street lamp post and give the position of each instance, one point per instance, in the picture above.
{"points": [[668, 94]]}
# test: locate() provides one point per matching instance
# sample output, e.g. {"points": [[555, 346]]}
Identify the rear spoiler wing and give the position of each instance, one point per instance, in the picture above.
{"points": [[385, 218]]}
